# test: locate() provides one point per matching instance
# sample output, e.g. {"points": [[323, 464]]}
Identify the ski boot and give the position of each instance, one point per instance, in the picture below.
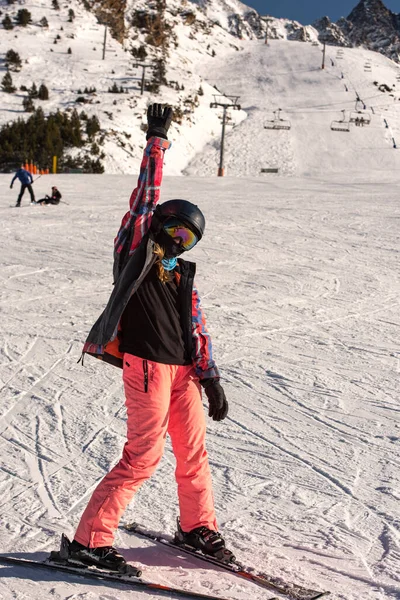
{"points": [[105, 557], [209, 542]]}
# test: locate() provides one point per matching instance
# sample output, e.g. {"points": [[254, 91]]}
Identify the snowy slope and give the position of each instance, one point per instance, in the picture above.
{"points": [[299, 279], [288, 75]]}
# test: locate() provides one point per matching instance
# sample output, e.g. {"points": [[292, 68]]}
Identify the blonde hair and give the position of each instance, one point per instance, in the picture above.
{"points": [[163, 275]]}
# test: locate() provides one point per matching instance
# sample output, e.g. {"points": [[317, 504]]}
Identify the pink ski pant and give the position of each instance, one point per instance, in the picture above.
{"points": [[159, 399]]}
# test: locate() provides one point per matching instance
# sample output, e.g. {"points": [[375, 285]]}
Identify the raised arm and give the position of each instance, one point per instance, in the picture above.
{"points": [[136, 222]]}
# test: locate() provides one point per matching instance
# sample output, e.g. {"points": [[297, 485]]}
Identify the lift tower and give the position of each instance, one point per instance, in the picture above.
{"points": [[224, 102]]}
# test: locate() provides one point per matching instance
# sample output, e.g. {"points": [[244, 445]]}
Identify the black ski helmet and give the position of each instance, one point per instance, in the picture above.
{"points": [[185, 211]]}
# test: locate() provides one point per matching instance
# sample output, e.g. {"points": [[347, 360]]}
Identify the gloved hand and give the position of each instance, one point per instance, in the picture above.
{"points": [[218, 405], [159, 120], [10, 186]]}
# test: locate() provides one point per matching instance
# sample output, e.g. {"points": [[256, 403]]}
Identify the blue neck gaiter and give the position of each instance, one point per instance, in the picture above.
{"points": [[169, 264]]}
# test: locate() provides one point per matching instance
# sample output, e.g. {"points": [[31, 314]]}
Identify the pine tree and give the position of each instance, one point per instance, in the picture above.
{"points": [[92, 126], [160, 71], [7, 84], [139, 53], [7, 23], [55, 5], [24, 17], [44, 137], [69, 51], [33, 93], [92, 166], [114, 89], [13, 60], [75, 138], [71, 15], [28, 105], [43, 92], [44, 22]]}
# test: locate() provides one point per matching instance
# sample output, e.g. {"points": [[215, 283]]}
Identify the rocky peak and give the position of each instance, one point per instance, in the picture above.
{"points": [[369, 9], [370, 24], [373, 13], [331, 33]]}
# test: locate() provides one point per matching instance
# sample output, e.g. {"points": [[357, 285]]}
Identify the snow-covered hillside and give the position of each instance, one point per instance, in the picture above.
{"points": [[288, 75], [201, 53]]}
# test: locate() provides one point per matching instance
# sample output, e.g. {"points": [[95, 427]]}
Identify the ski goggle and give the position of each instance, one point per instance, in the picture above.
{"points": [[174, 228]]}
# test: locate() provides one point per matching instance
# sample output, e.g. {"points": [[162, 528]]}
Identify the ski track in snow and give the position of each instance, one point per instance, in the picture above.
{"points": [[304, 319]]}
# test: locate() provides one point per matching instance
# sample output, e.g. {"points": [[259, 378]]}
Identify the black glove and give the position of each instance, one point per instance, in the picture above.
{"points": [[10, 186], [218, 405], [159, 120]]}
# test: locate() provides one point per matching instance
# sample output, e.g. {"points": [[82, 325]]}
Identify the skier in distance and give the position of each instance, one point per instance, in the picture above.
{"points": [[153, 327], [26, 180]]}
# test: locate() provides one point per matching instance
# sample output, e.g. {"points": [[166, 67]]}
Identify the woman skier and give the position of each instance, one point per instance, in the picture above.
{"points": [[153, 327]]}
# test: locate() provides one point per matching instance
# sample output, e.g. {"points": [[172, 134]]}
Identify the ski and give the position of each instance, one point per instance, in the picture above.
{"points": [[104, 575], [276, 584]]}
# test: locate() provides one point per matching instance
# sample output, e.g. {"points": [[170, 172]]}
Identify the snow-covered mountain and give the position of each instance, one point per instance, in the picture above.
{"points": [[370, 24], [193, 51]]}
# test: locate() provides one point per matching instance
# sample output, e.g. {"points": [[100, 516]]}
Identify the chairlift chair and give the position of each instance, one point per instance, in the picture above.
{"points": [[341, 125], [278, 122], [360, 116]]}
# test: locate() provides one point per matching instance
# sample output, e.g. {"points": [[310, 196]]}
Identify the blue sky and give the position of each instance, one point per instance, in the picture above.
{"points": [[307, 11]]}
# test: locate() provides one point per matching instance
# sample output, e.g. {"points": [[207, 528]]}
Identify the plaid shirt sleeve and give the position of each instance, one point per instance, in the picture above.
{"points": [[136, 222], [203, 362]]}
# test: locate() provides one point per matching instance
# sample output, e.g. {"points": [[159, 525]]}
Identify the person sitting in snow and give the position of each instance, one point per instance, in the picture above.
{"points": [[53, 199], [154, 329]]}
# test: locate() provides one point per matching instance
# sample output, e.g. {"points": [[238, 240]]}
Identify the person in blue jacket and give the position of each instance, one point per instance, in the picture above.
{"points": [[26, 180]]}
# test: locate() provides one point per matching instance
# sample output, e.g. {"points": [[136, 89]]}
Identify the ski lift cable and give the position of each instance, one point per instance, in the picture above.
{"points": [[349, 103], [309, 109]]}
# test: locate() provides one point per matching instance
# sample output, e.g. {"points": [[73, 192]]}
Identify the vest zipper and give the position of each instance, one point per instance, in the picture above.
{"points": [[146, 375]]}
